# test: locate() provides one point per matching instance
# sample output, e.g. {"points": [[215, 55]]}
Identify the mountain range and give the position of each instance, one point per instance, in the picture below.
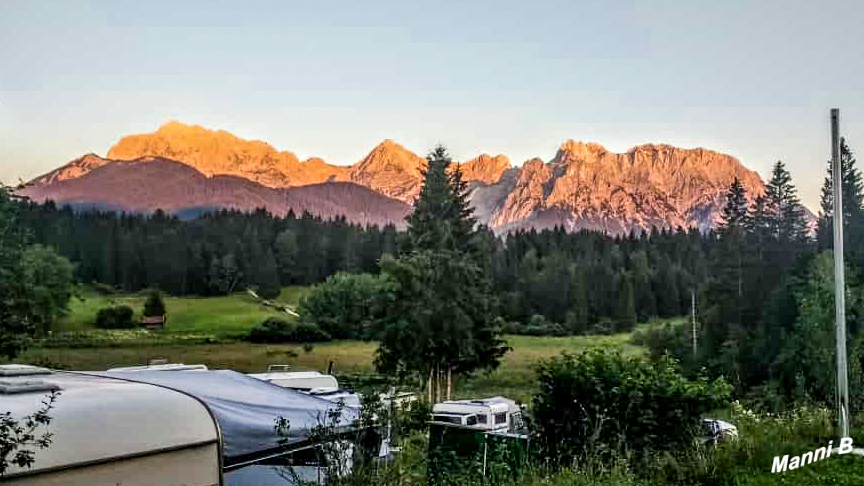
{"points": [[187, 168]]}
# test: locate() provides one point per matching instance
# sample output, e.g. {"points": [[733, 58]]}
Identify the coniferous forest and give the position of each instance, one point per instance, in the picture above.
{"points": [[761, 279]]}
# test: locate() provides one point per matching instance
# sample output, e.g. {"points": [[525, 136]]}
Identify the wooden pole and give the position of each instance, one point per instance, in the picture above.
{"points": [[839, 280], [449, 381]]}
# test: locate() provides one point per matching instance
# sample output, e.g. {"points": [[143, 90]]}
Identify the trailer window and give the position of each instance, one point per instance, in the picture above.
{"points": [[471, 420], [447, 419], [481, 419], [500, 418]]}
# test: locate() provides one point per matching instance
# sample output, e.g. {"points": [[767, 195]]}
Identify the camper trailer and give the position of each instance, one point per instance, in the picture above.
{"points": [[309, 382], [190, 427], [492, 414], [109, 431]]}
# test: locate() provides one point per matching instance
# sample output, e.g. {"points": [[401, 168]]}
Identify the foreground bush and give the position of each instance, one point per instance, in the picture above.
{"points": [[116, 317], [602, 401], [276, 330]]}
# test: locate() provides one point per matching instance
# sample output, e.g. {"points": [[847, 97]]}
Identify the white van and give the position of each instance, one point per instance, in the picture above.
{"points": [[494, 414]]}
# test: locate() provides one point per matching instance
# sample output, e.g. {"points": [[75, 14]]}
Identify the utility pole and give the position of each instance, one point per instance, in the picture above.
{"points": [[839, 281], [693, 318]]}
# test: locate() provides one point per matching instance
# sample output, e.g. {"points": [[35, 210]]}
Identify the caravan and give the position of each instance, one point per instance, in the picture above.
{"points": [[191, 427]]}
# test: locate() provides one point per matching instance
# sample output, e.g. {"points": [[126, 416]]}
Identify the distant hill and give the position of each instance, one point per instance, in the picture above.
{"points": [[151, 183]]}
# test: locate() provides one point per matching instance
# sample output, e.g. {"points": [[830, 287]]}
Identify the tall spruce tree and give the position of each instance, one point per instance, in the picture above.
{"points": [[443, 218], [853, 208], [447, 307], [726, 307], [791, 227], [625, 313]]}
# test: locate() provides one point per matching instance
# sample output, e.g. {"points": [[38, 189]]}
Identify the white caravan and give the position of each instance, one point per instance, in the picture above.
{"points": [[107, 431], [496, 414], [309, 382], [140, 427]]}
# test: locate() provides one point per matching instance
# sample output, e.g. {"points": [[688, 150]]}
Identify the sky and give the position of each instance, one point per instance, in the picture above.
{"points": [[332, 78]]}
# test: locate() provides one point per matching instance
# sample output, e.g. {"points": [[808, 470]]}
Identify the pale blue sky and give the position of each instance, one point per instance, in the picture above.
{"points": [[333, 78]]}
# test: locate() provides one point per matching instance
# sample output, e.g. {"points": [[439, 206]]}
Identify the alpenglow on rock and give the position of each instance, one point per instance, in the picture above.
{"points": [[586, 186], [582, 186]]}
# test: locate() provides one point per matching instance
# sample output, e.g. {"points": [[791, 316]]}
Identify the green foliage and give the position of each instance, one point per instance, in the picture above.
{"points": [[154, 305], [852, 188], [348, 306], [441, 316], [20, 438], [115, 317], [442, 218], [276, 330], [537, 326], [49, 277], [806, 362], [19, 312], [601, 401], [625, 311]]}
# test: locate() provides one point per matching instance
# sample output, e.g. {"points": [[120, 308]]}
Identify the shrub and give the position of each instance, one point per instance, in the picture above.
{"points": [[277, 330], [537, 326], [308, 333], [115, 317], [600, 400], [348, 306], [154, 305]]}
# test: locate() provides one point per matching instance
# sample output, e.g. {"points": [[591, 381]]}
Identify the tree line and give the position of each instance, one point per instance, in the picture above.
{"points": [[766, 319], [576, 282]]}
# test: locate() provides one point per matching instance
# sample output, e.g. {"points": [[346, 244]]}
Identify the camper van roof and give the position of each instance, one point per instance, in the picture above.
{"points": [[163, 367], [98, 419], [285, 375], [245, 408]]}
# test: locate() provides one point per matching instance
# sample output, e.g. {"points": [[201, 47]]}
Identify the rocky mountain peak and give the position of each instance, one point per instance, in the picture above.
{"points": [[485, 168]]}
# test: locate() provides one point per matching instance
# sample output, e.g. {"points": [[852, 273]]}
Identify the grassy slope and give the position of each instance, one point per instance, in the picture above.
{"points": [[229, 314]]}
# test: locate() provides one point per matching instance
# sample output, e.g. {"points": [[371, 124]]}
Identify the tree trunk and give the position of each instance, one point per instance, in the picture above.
{"points": [[449, 381], [429, 386], [438, 381]]}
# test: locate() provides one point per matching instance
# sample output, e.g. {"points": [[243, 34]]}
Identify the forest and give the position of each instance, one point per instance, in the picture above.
{"points": [[751, 278]]}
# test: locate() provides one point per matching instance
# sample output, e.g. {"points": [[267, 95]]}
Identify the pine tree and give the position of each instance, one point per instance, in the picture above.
{"points": [[789, 225], [154, 305], [625, 312], [442, 218], [853, 208], [268, 276], [734, 213]]}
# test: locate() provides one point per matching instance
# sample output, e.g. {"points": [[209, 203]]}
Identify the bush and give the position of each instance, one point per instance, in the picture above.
{"points": [[537, 326], [154, 305], [116, 317], [308, 333], [348, 306], [277, 330], [600, 400]]}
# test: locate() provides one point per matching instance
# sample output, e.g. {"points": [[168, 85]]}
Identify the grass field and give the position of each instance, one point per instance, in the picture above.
{"points": [[233, 315], [514, 378], [216, 315]]}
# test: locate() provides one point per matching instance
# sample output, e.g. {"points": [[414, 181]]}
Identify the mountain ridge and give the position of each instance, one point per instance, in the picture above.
{"points": [[583, 185]]}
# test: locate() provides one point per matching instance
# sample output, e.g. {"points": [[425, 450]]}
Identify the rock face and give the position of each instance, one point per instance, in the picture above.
{"points": [[71, 170], [582, 186], [217, 152], [390, 169], [485, 168], [150, 183], [586, 186]]}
